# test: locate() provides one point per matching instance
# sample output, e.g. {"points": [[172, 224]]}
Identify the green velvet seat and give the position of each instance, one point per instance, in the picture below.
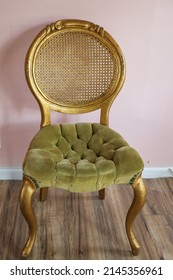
{"points": [[76, 67], [80, 157]]}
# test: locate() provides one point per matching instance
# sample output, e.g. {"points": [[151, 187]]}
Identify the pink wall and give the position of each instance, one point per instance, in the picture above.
{"points": [[142, 112]]}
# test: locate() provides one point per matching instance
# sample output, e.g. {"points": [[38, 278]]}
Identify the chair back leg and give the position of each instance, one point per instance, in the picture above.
{"points": [[102, 194], [43, 194]]}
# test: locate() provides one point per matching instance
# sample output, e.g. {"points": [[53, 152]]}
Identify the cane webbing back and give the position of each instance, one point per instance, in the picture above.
{"points": [[74, 67], [74, 63]]}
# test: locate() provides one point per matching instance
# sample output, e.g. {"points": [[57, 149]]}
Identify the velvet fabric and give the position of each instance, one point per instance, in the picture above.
{"points": [[81, 157]]}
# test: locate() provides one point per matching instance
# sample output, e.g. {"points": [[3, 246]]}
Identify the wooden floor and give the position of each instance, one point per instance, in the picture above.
{"points": [[80, 226]]}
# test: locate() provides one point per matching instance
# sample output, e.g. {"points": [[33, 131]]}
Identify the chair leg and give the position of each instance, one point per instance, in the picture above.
{"points": [[137, 204], [102, 194], [43, 194], [26, 194]]}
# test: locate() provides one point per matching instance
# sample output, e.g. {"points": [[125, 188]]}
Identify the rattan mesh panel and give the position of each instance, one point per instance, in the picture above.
{"points": [[75, 68]]}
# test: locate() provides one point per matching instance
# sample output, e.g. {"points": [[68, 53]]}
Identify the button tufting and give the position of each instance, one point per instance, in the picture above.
{"points": [[88, 155]]}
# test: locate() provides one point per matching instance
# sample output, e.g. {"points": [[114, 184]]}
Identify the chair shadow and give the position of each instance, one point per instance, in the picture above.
{"points": [[19, 111], [12, 78]]}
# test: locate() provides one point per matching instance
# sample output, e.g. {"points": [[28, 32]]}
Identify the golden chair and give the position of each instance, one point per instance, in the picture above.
{"points": [[75, 67]]}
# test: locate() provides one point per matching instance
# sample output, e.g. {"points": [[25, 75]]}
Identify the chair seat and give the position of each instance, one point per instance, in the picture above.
{"points": [[81, 157]]}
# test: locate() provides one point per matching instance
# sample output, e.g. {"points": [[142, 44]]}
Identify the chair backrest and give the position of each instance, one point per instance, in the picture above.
{"points": [[74, 66]]}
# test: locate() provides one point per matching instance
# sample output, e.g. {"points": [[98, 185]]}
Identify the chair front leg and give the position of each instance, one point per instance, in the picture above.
{"points": [[26, 194], [137, 204]]}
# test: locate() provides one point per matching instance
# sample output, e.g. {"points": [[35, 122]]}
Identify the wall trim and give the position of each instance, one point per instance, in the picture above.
{"points": [[149, 172], [10, 173], [157, 172]]}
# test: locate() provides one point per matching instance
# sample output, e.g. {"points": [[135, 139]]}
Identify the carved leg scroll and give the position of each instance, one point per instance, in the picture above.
{"points": [[102, 194], [43, 194], [137, 204], [26, 194]]}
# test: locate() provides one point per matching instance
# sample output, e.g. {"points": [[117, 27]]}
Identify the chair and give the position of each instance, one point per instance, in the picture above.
{"points": [[75, 67]]}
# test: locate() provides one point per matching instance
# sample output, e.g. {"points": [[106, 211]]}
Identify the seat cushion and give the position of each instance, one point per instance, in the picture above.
{"points": [[80, 157]]}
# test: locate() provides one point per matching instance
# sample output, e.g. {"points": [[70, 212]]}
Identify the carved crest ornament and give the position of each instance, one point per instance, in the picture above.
{"points": [[70, 24]]}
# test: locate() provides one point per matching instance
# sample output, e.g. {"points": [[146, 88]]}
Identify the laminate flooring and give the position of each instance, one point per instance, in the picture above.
{"points": [[75, 226]]}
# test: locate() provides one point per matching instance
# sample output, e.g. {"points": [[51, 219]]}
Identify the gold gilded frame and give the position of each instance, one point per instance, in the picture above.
{"points": [[103, 103]]}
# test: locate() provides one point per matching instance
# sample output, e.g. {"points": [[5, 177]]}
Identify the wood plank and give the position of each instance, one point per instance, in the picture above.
{"points": [[80, 226]]}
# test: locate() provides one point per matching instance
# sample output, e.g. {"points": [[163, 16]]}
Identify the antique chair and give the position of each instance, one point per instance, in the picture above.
{"points": [[75, 67]]}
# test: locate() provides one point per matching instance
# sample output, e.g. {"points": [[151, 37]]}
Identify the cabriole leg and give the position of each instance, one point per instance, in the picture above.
{"points": [[26, 194], [137, 204]]}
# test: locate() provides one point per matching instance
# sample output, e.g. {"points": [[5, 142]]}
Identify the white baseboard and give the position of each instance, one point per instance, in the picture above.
{"points": [[157, 172], [11, 174], [149, 172]]}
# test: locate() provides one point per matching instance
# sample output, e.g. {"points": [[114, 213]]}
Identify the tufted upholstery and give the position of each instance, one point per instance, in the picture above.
{"points": [[80, 157]]}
